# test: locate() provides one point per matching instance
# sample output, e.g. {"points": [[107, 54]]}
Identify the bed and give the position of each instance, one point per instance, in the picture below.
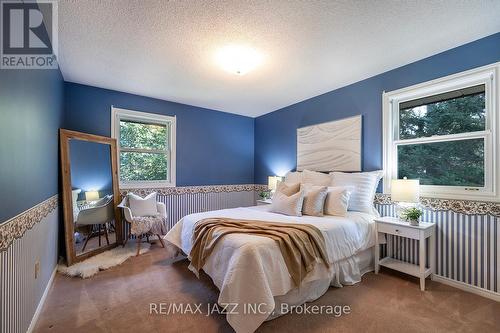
{"points": [[250, 271]]}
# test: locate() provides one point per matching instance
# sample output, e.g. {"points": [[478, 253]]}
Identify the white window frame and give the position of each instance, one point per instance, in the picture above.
{"points": [[487, 75], [118, 114]]}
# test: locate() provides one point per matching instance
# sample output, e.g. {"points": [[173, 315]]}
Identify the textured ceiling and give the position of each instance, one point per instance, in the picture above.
{"points": [[164, 49]]}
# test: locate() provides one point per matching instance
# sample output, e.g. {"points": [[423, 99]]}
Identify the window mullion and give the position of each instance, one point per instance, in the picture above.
{"points": [[443, 138], [142, 150]]}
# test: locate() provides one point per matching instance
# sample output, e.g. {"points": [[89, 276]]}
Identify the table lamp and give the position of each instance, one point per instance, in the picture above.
{"points": [[91, 195], [272, 183], [406, 192]]}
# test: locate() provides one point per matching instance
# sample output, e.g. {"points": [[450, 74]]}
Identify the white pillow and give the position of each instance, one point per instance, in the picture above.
{"points": [[337, 200], [293, 177], [142, 206], [316, 178], [364, 187], [288, 205]]}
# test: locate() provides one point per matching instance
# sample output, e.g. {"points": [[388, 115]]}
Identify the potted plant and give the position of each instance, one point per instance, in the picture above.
{"points": [[412, 215], [264, 195]]}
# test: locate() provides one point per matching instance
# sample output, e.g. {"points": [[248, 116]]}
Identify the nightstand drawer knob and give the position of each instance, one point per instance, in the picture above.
{"points": [[397, 230]]}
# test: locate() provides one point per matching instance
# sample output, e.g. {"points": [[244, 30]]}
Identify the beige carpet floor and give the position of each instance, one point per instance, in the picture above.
{"points": [[118, 300]]}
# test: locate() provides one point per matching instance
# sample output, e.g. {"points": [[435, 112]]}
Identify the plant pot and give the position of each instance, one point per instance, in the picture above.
{"points": [[413, 222]]}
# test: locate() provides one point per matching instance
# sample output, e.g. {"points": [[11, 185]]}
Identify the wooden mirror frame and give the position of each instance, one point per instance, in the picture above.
{"points": [[64, 137]]}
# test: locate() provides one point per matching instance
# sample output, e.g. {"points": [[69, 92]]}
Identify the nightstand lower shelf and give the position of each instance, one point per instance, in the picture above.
{"points": [[404, 267]]}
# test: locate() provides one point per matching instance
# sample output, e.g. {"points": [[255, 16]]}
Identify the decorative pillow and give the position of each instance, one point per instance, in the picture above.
{"points": [[314, 199], [142, 206], [316, 178], [288, 189], [364, 186], [293, 177], [288, 205], [337, 200]]}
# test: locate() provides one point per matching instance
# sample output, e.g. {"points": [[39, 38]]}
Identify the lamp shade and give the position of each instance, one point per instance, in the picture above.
{"points": [[405, 190], [91, 195], [272, 182]]}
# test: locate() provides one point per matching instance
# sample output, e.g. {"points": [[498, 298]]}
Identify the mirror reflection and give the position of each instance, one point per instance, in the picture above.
{"points": [[92, 196]]}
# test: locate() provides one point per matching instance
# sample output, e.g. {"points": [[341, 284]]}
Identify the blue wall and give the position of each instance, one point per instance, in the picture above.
{"points": [[31, 106], [275, 133], [212, 147], [90, 167]]}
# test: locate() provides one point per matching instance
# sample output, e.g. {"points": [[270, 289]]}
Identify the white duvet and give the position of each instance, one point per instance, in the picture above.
{"points": [[250, 269]]}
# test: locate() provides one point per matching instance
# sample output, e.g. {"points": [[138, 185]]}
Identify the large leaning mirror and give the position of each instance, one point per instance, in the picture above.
{"points": [[90, 194]]}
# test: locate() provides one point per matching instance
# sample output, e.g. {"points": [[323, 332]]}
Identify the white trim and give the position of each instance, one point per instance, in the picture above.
{"points": [[39, 307], [466, 287], [171, 121], [487, 75]]}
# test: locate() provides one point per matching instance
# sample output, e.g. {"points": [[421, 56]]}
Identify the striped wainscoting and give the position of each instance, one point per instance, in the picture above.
{"points": [[467, 249], [25, 240], [180, 205]]}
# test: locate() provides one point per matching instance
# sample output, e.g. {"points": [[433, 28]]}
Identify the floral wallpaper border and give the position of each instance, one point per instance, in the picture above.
{"points": [[18, 225], [458, 206], [195, 189]]}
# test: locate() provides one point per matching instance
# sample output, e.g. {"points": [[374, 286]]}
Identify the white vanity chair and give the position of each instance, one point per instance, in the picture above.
{"points": [[129, 217]]}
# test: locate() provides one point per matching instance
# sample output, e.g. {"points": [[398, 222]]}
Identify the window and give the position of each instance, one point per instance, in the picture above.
{"points": [[146, 148], [443, 132]]}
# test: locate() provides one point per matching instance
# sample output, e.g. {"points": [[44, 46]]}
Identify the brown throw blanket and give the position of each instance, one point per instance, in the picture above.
{"points": [[300, 244]]}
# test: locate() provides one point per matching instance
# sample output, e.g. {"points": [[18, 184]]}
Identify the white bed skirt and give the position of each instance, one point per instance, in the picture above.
{"points": [[346, 272]]}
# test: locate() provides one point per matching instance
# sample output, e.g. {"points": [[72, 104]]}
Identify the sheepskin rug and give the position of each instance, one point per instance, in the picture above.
{"points": [[102, 261]]}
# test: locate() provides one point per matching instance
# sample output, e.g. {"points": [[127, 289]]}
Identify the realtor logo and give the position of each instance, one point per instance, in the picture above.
{"points": [[28, 34]]}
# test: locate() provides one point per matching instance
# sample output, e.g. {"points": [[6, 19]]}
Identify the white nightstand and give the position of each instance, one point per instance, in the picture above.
{"points": [[262, 202], [394, 226]]}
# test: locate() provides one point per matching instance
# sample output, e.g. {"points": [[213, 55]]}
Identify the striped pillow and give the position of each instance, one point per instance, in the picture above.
{"points": [[364, 186], [314, 199]]}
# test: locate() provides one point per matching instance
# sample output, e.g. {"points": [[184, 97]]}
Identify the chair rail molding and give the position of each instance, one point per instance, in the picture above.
{"points": [[17, 226]]}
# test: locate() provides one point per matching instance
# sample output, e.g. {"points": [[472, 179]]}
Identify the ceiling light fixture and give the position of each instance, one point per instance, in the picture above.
{"points": [[238, 59]]}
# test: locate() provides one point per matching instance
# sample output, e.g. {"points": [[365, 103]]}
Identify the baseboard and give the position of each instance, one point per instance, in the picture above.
{"points": [[467, 287], [42, 302]]}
